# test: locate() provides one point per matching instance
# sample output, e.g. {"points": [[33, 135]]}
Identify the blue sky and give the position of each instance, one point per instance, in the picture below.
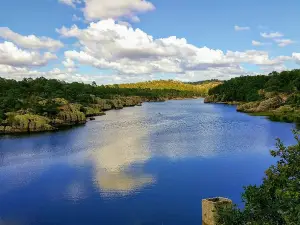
{"points": [[241, 37]]}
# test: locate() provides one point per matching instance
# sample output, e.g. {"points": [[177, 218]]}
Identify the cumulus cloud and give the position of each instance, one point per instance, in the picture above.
{"points": [[260, 58], [268, 69], [124, 23], [296, 57], [103, 9], [109, 45], [213, 73], [11, 55], [238, 28], [30, 41], [18, 73], [271, 35], [284, 42], [116, 9]]}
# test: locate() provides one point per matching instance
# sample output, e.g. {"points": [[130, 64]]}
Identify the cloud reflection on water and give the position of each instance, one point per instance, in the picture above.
{"points": [[119, 145], [125, 146]]}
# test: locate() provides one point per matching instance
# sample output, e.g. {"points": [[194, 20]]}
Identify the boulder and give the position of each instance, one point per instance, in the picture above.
{"points": [[269, 104], [248, 107]]}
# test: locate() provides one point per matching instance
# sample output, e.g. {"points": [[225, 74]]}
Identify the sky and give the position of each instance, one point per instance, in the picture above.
{"points": [[121, 41]]}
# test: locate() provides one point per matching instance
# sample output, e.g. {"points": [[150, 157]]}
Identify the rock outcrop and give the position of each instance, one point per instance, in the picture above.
{"points": [[67, 114], [25, 123], [262, 106], [210, 99]]}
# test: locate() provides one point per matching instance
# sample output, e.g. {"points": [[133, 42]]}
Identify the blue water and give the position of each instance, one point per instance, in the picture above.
{"points": [[142, 165]]}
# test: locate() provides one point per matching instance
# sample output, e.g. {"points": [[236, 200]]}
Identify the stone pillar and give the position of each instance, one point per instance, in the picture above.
{"points": [[209, 209]]}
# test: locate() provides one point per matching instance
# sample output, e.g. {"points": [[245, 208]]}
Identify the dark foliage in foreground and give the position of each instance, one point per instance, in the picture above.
{"points": [[277, 200]]}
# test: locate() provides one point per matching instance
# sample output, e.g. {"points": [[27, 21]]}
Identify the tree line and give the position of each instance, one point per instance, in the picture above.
{"points": [[28, 93], [247, 88]]}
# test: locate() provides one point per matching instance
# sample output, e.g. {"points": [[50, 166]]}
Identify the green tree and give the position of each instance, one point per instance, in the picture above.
{"points": [[277, 200]]}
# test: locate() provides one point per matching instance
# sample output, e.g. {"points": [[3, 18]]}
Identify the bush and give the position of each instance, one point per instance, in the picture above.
{"points": [[277, 200]]}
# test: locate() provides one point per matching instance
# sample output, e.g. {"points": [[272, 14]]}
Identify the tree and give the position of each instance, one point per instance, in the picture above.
{"points": [[277, 200]]}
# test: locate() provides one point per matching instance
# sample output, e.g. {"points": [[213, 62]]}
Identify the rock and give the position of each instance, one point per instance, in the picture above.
{"points": [[71, 114], [103, 104], [210, 209], [248, 107], [92, 118], [269, 104], [116, 103], [93, 110], [209, 99], [26, 123]]}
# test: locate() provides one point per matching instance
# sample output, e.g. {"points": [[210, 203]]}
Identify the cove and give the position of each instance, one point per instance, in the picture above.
{"points": [[141, 165]]}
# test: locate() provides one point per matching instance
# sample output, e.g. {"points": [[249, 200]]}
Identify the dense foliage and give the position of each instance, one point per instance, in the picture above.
{"points": [[201, 88], [276, 96], [246, 88], [39, 96], [277, 200]]}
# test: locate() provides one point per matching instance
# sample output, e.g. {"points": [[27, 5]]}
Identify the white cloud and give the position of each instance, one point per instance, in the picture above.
{"points": [[238, 28], [272, 35], [11, 55], [19, 73], [257, 43], [104, 9], [284, 42], [259, 58], [277, 68], [71, 3], [108, 45], [31, 41], [124, 23], [213, 73], [296, 57]]}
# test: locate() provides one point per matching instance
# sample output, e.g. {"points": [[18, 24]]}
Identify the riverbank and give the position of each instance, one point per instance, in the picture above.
{"points": [[70, 114], [38, 105], [275, 108]]}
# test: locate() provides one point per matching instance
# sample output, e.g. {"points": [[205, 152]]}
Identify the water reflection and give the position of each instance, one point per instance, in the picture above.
{"points": [[125, 146], [167, 153], [119, 145]]}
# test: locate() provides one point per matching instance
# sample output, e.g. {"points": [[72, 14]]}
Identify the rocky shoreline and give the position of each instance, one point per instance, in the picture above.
{"points": [[70, 114], [275, 107]]}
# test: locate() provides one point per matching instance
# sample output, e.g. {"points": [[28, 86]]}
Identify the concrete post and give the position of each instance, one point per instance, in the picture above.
{"points": [[209, 209]]}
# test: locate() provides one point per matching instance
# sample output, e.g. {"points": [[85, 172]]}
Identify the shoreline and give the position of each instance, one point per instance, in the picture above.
{"points": [[272, 115], [88, 118]]}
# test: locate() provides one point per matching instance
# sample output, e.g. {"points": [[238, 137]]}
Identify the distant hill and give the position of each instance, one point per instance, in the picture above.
{"points": [[200, 89], [204, 82]]}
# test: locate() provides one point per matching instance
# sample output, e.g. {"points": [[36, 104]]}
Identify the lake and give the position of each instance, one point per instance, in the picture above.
{"points": [[141, 165]]}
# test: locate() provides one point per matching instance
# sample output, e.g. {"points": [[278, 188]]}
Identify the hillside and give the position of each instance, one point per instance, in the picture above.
{"points": [[276, 95], [201, 89]]}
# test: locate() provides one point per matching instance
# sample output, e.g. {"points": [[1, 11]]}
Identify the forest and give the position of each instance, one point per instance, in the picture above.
{"points": [[41, 104], [276, 95], [201, 88]]}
